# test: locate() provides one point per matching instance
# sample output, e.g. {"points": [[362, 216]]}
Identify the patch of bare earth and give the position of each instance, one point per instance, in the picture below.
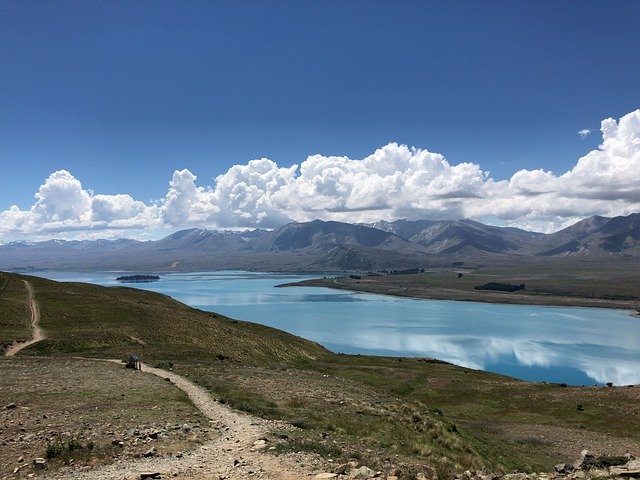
{"points": [[100, 411], [130, 424]]}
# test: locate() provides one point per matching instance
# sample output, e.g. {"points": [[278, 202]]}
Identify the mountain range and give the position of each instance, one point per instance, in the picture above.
{"points": [[326, 245]]}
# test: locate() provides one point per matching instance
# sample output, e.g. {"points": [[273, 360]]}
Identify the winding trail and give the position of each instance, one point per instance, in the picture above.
{"points": [[37, 333], [236, 452]]}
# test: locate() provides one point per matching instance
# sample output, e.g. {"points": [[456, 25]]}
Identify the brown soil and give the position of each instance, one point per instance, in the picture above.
{"points": [[231, 444], [237, 451], [44, 401], [37, 333]]}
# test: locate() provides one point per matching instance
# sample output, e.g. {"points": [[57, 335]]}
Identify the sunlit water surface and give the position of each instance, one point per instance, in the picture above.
{"points": [[579, 346]]}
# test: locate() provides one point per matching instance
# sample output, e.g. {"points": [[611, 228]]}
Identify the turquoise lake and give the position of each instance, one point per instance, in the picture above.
{"points": [[578, 346]]}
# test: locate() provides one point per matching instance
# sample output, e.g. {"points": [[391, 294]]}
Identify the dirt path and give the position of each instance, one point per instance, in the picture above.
{"points": [[36, 332], [237, 452]]}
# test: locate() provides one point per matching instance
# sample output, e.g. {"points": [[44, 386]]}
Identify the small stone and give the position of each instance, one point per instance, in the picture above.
{"points": [[326, 475], [259, 444], [564, 468], [21, 459], [39, 462], [11, 406], [149, 453], [362, 473], [145, 475]]}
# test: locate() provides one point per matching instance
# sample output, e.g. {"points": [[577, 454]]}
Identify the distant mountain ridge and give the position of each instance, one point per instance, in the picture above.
{"points": [[325, 245], [452, 236], [318, 236]]}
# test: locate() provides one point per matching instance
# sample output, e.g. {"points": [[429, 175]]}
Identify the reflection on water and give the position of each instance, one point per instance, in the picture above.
{"points": [[572, 345]]}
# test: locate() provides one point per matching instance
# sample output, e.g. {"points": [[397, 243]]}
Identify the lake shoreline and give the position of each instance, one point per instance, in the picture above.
{"points": [[509, 298], [484, 336]]}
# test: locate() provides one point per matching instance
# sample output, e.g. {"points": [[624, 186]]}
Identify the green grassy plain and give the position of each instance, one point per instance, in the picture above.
{"points": [[413, 414], [611, 284]]}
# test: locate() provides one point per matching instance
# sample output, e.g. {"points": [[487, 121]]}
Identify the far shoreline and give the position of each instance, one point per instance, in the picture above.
{"points": [[508, 298], [370, 285]]}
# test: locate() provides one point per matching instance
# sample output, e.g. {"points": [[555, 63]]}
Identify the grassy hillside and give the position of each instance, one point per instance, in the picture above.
{"points": [[112, 322], [15, 315], [412, 415]]}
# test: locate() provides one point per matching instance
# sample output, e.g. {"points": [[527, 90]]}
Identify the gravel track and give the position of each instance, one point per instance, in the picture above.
{"points": [[237, 452], [37, 333]]}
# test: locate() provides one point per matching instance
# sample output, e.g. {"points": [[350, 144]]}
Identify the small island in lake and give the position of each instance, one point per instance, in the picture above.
{"points": [[138, 278]]}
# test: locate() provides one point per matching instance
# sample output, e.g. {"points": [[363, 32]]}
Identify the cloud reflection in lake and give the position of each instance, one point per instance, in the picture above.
{"points": [[572, 345]]}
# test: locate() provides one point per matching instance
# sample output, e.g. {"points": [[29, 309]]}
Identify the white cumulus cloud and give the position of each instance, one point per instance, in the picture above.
{"points": [[63, 208], [395, 181]]}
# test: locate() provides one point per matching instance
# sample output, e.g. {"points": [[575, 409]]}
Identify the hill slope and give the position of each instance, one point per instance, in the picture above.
{"points": [[596, 236], [449, 237], [320, 237], [396, 415], [112, 322]]}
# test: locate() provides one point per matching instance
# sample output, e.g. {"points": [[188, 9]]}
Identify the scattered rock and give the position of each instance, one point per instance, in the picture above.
{"points": [[362, 473], [149, 453], [259, 444], [145, 475], [564, 468], [624, 472], [326, 475], [11, 406], [39, 462]]}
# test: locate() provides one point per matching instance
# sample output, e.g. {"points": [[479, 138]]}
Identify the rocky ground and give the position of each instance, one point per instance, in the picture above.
{"points": [[87, 414]]}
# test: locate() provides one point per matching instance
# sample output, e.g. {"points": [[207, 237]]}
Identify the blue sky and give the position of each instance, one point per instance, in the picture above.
{"points": [[122, 94]]}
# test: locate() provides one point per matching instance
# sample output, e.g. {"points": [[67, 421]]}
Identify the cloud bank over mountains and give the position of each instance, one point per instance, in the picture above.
{"points": [[394, 182]]}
